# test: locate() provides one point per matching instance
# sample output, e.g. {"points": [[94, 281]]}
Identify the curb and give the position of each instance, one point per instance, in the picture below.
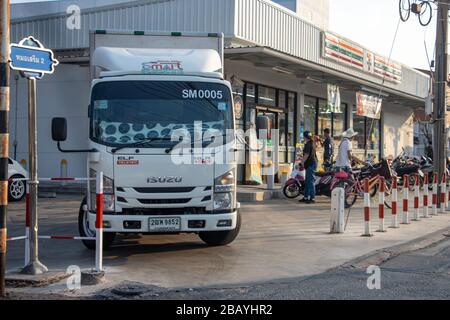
{"points": [[18, 280], [259, 196], [380, 256]]}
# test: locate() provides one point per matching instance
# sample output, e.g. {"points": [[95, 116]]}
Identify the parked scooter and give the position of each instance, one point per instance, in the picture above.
{"points": [[295, 186]]}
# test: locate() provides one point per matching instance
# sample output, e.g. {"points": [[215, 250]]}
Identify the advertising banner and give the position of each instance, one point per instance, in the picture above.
{"points": [[368, 105], [334, 99]]}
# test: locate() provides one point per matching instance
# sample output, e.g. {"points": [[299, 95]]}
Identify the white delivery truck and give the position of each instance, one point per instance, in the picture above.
{"points": [[146, 88]]}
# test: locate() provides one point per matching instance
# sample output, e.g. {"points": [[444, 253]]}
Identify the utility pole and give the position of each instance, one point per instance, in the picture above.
{"points": [[4, 135], [439, 112]]}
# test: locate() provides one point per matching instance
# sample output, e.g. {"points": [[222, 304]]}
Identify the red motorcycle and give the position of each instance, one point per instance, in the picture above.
{"points": [[323, 182]]}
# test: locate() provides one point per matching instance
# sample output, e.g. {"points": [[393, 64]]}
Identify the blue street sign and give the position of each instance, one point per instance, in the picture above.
{"points": [[30, 57]]}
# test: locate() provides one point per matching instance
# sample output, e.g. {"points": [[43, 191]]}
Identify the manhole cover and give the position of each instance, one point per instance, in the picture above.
{"points": [[130, 289]]}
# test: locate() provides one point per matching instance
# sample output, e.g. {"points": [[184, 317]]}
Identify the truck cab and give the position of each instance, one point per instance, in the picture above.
{"points": [[161, 129]]}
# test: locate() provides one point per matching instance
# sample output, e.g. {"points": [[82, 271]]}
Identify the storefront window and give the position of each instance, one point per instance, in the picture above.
{"points": [[282, 99], [250, 104], [359, 125], [279, 105], [325, 117], [309, 114], [373, 136], [368, 135], [267, 96], [339, 121]]}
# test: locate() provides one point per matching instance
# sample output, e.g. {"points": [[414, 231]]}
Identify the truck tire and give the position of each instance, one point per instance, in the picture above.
{"points": [[83, 228], [221, 238]]}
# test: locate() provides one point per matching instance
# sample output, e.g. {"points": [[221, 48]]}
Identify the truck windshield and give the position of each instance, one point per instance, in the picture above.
{"points": [[125, 112]]}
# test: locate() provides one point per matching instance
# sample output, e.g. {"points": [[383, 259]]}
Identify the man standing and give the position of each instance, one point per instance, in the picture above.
{"points": [[345, 155], [310, 164], [328, 150]]}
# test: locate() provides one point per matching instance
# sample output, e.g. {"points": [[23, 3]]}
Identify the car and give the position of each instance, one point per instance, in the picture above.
{"points": [[16, 188]]}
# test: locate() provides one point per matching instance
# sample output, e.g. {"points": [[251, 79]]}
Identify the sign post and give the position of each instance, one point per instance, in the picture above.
{"points": [[4, 134], [33, 61]]}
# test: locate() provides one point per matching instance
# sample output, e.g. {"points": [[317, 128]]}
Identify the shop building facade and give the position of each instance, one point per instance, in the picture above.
{"points": [[278, 64]]}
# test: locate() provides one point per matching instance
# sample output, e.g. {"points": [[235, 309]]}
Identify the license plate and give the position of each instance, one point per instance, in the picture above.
{"points": [[164, 224]]}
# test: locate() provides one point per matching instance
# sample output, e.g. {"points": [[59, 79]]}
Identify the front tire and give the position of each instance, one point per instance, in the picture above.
{"points": [[85, 231], [16, 189], [292, 191], [221, 238]]}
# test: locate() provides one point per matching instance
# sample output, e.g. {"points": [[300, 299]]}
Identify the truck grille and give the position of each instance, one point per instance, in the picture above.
{"points": [[165, 190], [163, 211], [163, 201]]}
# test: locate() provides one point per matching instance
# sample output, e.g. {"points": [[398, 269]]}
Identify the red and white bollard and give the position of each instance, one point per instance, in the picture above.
{"points": [[435, 195], [405, 200], [426, 196], [416, 197], [366, 209], [27, 224], [443, 204], [99, 223], [381, 190], [394, 199]]}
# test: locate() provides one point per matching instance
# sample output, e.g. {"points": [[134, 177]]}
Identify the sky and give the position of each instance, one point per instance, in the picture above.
{"points": [[372, 23]]}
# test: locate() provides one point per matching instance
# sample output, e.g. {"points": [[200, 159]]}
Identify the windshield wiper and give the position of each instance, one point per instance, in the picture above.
{"points": [[139, 143]]}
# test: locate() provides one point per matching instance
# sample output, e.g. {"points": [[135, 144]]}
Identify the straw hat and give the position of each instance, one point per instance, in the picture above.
{"points": [[350, 133]]}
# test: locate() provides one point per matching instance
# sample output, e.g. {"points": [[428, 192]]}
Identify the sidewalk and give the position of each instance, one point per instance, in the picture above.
{"points": [[247, 193]]}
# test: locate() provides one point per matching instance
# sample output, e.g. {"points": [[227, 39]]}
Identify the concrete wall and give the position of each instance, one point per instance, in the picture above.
{"points": [[398, 129], [64, 94], [315, 11]]}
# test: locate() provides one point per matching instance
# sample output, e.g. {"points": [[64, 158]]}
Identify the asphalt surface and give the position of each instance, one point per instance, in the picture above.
{"points": [[424, 275], [282, 252]]}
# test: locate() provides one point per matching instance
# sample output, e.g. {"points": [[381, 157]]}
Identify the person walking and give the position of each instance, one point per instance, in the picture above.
{"points": [[328, 149], [310, 165]]}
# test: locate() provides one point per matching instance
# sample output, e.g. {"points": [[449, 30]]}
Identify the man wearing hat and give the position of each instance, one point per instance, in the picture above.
{"points": [[345, 156], [310, 164]]}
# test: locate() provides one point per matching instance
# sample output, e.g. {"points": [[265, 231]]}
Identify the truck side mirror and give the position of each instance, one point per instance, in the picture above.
{"points": [[59, 129], [262, 123]]}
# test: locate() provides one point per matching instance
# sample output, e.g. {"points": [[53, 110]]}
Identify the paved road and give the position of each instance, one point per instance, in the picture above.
{"points": [[279, 239], [424, 274]]}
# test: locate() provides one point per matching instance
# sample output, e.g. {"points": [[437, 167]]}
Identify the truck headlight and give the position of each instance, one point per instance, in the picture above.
{"points": [[225, 183], [108, 192], [223, 201]]}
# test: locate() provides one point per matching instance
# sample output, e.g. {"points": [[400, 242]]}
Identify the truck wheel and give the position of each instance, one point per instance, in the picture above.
{"points": [[85, 231], [221, 238]]}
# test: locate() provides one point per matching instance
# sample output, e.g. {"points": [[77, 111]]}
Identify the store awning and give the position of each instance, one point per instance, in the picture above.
{"points": [[304, 70]]}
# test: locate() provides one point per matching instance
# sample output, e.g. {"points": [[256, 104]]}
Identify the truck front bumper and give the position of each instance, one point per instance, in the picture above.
{"points": [[189, 223]]}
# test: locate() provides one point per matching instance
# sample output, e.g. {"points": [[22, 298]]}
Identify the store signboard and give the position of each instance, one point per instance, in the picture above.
{"points": [[351, 54], [368, 105], [343, 51]]}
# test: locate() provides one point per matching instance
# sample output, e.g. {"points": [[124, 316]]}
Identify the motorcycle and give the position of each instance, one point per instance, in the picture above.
{"points": [[295, 186]]}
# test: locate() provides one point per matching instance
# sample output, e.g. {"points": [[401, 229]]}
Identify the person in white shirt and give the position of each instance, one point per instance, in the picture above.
{"points": [[345, 156]]}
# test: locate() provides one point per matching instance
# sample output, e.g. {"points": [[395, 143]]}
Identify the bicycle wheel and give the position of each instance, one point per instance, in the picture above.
{"points": [[426, 13], [351, 195], [404, 7]]}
